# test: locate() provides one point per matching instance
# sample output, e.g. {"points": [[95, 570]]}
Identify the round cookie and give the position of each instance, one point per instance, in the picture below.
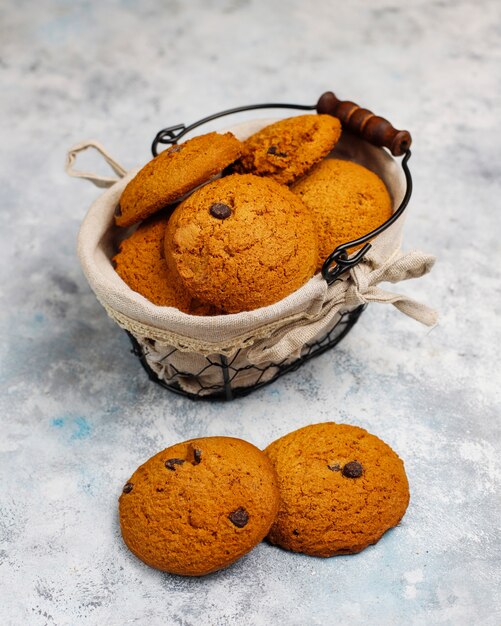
{"points": [[175, 172], [241, 242], [341, 489], [140, 263], [287, 149], [347, 201], [200, 505]]}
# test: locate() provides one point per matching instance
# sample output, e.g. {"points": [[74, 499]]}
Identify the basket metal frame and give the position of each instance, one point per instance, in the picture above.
{"points": [[336, 264]]}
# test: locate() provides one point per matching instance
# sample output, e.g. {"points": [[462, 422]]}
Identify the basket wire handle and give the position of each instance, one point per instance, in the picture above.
{"points": [[173, 134], [99, 181]]}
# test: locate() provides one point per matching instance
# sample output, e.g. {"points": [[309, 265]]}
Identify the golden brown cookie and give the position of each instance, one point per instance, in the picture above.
{"points": [[346, 200], [287, 149], [341, 489], [200, 505], [241, 242], [141, 264], [175, 172]]}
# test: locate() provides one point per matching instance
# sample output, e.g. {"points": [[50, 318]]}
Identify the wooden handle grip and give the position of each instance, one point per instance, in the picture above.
{"points": [[365, 124]]}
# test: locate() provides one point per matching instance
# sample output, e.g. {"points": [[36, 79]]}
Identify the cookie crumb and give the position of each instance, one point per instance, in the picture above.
{"points": [[171, 463], [334, 468]]}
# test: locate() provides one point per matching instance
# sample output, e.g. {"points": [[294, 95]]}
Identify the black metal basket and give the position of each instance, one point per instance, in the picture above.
{"points": [[356, 120]]}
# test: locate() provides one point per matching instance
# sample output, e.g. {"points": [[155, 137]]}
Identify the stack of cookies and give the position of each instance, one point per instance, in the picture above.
{"points": [[223, 226], [322, 490]]}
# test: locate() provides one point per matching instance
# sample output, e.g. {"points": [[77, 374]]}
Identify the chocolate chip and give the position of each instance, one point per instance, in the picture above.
{"points": [[197, 456], [295, 532], [171, 463], [273, 150], [353, 469], [240, 517], [220, 210], [127, 488], [334, 468], [114, 264], [118, 211]]}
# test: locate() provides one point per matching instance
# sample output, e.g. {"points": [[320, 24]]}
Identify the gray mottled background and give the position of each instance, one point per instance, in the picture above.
{"points": [[77, 412]]}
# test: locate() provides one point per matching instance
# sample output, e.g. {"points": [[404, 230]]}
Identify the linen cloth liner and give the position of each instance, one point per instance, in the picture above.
{"points": [[271, 334]]}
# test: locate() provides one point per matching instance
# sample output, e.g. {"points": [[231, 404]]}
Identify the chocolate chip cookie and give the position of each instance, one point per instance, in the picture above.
{"points": [[200, 505], [341, 489], [288, 148], [175, 172], [241, 242]]}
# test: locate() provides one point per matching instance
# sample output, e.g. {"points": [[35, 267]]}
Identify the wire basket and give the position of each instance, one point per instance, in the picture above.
{"points": [[226, 374]]}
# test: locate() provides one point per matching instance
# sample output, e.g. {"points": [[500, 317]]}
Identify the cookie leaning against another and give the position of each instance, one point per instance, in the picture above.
{"points": [[241, 242], [346, 200], [341, 489], [175, 172], [198, 506], [288, 148], [140, 263]]}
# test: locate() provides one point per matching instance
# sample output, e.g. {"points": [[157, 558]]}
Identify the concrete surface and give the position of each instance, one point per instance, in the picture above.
{"points": [[78, 414]]}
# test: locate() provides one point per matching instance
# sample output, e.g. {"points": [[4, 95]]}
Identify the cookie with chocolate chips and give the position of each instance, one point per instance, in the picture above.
{"points": [[288, 148], [174, 173], [241, 242], [200, 505], [341, 489]]}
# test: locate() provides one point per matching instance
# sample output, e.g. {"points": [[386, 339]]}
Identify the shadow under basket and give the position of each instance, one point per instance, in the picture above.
{"points": [[228, 373]]}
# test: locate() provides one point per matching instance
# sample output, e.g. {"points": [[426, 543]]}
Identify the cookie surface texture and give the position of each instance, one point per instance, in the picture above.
{"points": [[347, 201], [198, 506], [287, 149], [140, 263], [175, 172], [341, 489], [241, 242]]}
